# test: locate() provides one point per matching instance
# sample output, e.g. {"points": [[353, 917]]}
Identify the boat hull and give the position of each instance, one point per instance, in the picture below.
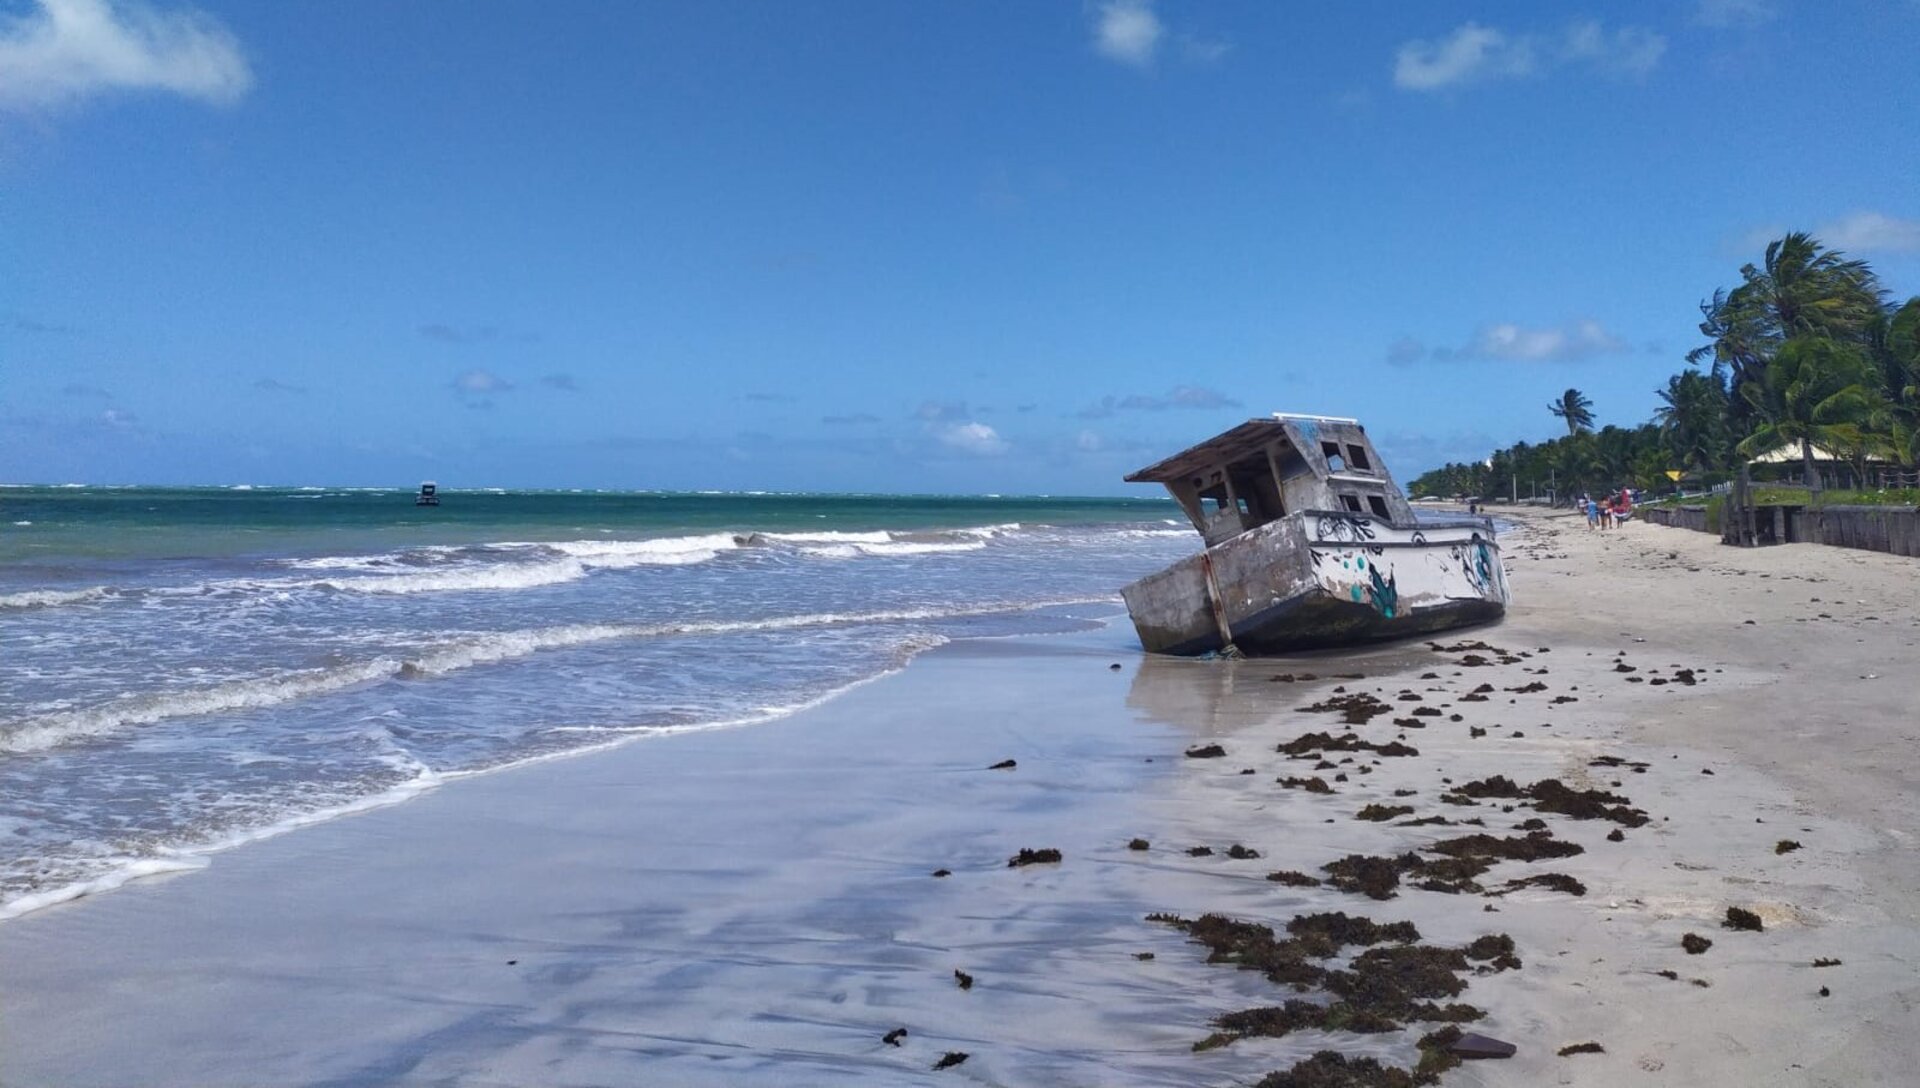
{"points": [[1319, 579]]}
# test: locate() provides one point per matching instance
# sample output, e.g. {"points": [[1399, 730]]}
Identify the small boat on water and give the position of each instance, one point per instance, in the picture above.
{"points": [[1309, 544], [429, 495]]}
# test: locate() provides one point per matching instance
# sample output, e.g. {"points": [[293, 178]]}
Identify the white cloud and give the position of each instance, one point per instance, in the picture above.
{"points": [[1734, 13], [1471, 53], [1867, 232], [1565, 343], [481, 382], [70, 50], [1204, 50], [976, 438], [1180, 396], [1481, 54], [1629, 51], [1127, 31], [1860, 232]]}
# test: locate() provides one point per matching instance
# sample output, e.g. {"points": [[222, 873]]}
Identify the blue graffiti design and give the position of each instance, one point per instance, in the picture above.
{"points": [[1386, 593]]}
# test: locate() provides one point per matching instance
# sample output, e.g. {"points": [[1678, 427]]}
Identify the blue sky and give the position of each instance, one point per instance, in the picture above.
{"points": [[958, 247]]}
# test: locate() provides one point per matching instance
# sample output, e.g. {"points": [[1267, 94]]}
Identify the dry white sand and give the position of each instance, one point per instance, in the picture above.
{"points": [[757, 906]]}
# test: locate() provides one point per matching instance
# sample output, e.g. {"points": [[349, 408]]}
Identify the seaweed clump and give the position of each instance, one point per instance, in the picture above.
{"points": [[1553, 796], [1043, 856], [1558, 882], [1695, 944], [1373, 877], [1395, 979], [1582, 1048], [1356, 709], [1332, 1069], [1293, 878], [1739, 918], [1381, 813], [1206, 751], [1309, 743], [1316, 784]]}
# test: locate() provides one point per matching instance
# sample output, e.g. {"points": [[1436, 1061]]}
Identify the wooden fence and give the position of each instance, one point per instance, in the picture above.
{"points": [[1892, 529]]}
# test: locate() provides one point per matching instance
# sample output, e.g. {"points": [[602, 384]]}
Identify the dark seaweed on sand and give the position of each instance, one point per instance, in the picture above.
{"points": [[1315, 784], [1308, 743], [1739, 918], [1206, 751], [1293, 879], [950, 1059], [1355, 709], [1554, 796], [1380, 813], [1463, 859], [1045, 855], [1558, 882], [1582, 1048], [1695, 944], [1392, 982]]}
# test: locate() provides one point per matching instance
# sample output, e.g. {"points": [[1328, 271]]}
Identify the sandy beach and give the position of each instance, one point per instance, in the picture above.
{"points": [[761, 905]]}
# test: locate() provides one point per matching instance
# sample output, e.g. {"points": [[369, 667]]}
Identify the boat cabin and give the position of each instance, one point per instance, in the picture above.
{"points": [[1266, 469], [429, 495]]}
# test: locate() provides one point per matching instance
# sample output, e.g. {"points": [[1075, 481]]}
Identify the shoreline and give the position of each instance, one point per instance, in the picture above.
{"points": [[755, 906]]}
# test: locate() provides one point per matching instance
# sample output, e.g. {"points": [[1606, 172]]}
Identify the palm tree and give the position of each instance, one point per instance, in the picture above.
{"points": [[1801, 289], [1574, 408], [1898, 349], [1693, 421], [1813, 390]]}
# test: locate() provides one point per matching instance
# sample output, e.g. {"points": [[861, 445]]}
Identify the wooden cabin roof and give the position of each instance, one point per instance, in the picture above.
{"points": [[1243, 441], [1246, 439]]}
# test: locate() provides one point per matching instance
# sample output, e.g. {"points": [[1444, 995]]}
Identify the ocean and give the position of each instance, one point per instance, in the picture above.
{"points": [[186, 669]]}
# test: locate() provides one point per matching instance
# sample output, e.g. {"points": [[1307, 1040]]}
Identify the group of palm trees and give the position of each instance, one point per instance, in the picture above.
{"points": [[1809, 351]]}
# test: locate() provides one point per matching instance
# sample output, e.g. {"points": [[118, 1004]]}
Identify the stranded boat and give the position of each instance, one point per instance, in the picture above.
{"points": [[1309, 544], [429, 495]]}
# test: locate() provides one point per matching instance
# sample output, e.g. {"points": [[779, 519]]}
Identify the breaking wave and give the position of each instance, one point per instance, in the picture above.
{"points": [[50, 598], [67, 726]]}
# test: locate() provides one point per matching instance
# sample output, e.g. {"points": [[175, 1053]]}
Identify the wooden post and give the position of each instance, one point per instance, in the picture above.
{"points": [[1227, 648]]}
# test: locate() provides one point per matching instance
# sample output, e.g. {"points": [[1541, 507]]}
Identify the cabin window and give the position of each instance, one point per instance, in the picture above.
{"points": [[1209, 505], [1357, 457], [1244, 510], [1334, 461], [1352, 501], [1379, 505]]}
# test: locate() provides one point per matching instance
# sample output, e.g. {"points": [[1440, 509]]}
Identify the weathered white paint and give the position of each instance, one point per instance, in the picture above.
{"points": [[1402, 570]]}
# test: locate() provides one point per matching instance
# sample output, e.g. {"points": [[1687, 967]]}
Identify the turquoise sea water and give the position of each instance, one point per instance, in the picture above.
{"points": [[185, 669]]}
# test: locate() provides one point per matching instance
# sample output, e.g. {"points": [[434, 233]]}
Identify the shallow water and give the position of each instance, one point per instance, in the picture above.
{"points": [[185, 669]]}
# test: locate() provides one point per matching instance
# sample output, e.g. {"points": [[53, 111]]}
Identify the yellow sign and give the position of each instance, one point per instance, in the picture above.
{"points": [[1674, 475]]}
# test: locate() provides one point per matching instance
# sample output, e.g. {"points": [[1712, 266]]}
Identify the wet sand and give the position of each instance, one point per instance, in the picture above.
{"points": [[760, 906]]}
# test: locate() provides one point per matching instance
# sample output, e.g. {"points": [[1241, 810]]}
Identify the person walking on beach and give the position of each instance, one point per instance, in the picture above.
{"points": [[1593, 513]]}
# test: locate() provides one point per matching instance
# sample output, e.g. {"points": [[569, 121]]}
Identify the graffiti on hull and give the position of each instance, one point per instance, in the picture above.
{"points": [[1398, 580]]}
